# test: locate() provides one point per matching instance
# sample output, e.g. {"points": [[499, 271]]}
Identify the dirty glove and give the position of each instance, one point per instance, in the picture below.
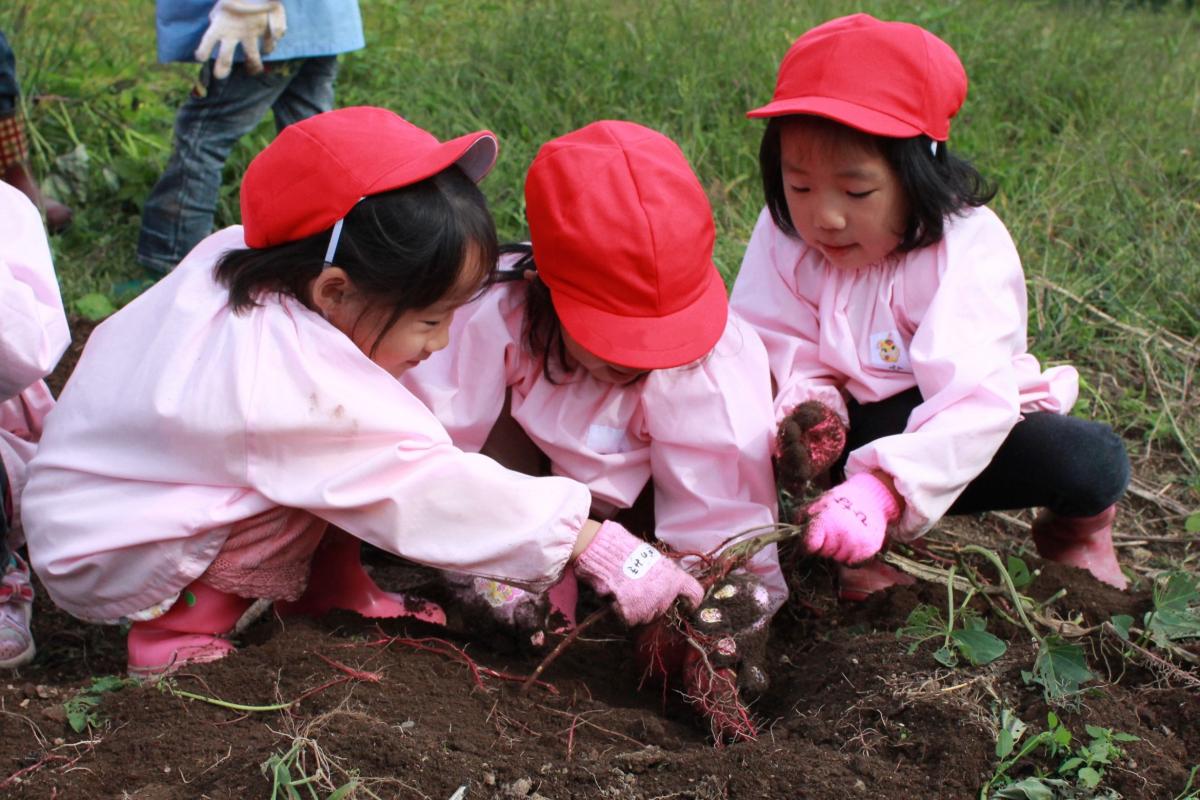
{"points": [[642, 581], [848, 522], [489, 604], [718, 680], [244, 22], [810, 439]]}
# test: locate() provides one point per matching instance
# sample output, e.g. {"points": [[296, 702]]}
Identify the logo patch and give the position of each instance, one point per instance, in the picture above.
{"points": [[607, 440], [887, 352]]}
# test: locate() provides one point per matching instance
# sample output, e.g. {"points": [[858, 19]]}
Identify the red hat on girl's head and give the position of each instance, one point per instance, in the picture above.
{"points": [[315, 170], [623, 236], [885, 78]]}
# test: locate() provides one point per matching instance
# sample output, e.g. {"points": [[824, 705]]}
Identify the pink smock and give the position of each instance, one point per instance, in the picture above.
{"points": [[702, 432], [33, 336], [949, 319], [184, 418]]}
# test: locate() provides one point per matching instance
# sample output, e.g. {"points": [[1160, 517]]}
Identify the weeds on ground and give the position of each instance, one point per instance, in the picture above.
{"points": [[1062, 772], [83, 709]]}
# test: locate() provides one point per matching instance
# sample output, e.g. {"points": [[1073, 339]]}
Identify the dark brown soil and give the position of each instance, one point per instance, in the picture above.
{"points": [[849, 713]]}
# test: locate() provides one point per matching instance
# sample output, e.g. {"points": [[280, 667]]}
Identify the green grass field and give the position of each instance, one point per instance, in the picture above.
{"points": [[1086, 113]]}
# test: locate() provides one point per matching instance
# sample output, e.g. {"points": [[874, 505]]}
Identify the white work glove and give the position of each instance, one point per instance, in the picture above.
{"points": [[244, 22]]}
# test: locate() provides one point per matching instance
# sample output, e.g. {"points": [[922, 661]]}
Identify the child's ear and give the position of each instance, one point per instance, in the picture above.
{"points": [[330, 292]]}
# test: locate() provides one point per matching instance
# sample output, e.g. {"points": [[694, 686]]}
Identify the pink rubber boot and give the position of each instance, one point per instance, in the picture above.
{"points": [[190, 633], [1083, 542], [857, 583], [339, 581]]}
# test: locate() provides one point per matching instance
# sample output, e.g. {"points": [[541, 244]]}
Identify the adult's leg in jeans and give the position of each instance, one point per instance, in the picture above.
{"points": [[179, 211], [309, 91]]}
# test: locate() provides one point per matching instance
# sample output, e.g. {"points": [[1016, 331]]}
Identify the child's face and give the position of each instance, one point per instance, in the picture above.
{"points": [[415, 336], [844, 199], [598, 368]]}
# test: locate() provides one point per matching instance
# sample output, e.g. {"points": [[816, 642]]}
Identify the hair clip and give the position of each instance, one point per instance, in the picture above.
{"points": [[334, 238], [933, 148]]}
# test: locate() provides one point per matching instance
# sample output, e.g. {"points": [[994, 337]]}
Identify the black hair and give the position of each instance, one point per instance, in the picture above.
{"points": [[541, 331], [404, 248], [935, 185]]}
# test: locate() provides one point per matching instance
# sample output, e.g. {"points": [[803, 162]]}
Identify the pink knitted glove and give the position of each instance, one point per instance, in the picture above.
{"points": [[642, 581], [849, 521], [810, 439]]}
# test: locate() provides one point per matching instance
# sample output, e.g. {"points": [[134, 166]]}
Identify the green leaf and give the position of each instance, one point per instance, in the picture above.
{"points": [[94, 307], [1125, 737], [1030, 789], [1004, 743], [1018, 570], [1060, 668], [979, 647], [1192, 525], [1089, 777], [1122, 622], [924, 622], [946, 656], [1176, 613], [1096, 732]]}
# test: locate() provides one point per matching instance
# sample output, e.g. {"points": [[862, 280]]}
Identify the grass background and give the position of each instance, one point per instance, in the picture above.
{"points": [[1086, 114]]}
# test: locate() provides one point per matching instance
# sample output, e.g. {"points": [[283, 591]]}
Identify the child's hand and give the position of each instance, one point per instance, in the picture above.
{"points": [[848, 523], [642, 581], [810, 439], [487, 601]]}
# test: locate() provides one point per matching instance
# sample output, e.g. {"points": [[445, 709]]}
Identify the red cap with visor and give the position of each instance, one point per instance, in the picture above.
{"points": [[885, 78], [623, 236], [316, 170]]}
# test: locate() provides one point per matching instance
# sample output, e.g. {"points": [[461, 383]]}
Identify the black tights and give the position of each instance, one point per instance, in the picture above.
{"points": [[1071, 466]]}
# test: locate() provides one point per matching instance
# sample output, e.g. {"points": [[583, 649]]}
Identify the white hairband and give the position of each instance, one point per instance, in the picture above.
{"points": [[333, 241]]}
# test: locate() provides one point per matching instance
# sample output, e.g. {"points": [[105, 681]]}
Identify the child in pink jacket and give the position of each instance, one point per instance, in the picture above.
{"points": [[892, 303], [33, 335], [218, 425], [612, 349]]}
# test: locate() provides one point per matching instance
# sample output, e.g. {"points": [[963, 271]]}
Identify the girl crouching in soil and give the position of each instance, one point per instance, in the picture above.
{"points": [[608, 350], [218, 425], [892, 303]]}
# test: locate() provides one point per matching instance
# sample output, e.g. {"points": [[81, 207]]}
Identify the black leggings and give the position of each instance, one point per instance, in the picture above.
{"points": [[1071, 466]]}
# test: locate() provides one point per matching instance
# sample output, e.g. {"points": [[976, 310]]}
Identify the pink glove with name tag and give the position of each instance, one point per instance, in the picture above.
{"points": [[848, 523], [642, 581]]}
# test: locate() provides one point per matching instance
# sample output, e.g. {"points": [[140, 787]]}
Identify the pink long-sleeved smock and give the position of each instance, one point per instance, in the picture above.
{"points": [[183, 418], [33, 334], [949, 319], [702, 432]]}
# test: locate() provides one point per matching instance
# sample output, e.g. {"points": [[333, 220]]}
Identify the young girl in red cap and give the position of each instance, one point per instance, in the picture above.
{"points": [[613, 351], [32, 337], [892, 303], [218, 425]]}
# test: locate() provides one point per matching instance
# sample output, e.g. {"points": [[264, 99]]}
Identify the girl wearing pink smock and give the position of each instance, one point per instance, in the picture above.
{"points": [[611, 347], [892, 304], [218, 426], [33, 336]]}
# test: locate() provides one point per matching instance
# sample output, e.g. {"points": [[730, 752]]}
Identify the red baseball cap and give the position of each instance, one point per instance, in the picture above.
{"points": [[623, 235], [885, 78], [315, 170]]}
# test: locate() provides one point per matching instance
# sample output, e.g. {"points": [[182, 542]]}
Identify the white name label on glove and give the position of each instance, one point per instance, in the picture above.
{"points": [[640, 561]]}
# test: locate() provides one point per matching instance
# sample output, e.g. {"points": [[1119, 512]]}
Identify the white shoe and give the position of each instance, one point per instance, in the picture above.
{"points": [[16, 610]]}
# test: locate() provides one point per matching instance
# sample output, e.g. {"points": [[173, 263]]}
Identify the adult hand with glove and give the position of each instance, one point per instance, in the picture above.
{"points": [[809, 441], [848, 523], [642, 582], [244, 22]]}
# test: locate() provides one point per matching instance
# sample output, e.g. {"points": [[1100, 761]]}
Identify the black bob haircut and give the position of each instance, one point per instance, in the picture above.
{"points": [[935, 186], [404, 249]]}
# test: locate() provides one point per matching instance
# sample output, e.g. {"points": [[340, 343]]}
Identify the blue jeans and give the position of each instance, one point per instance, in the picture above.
{"points": [[179, 211]]}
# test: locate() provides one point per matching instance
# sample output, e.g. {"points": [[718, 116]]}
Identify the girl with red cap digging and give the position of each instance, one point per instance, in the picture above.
{"points": [[612, 352], [892, 303], [217, 426]]}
